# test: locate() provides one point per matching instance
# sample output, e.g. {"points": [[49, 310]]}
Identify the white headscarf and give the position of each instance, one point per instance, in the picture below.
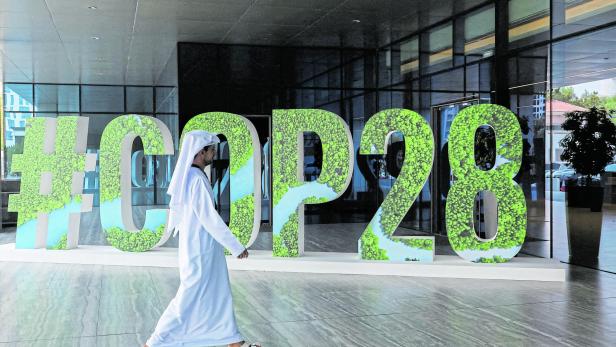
{"points": [[193, 142]]}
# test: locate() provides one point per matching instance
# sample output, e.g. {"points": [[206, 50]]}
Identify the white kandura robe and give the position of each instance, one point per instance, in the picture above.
{"points": [[201, 314]]}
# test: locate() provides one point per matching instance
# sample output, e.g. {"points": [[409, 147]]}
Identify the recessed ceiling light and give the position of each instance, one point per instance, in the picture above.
{"points": [[92, 7], [95, 38], [356, 21]]}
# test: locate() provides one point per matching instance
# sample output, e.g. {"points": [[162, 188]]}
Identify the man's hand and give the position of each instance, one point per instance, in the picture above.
{"points": [[243, 255]]}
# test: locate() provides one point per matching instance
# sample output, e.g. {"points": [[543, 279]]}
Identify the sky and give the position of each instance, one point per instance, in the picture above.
{"points": [[606, 87]]}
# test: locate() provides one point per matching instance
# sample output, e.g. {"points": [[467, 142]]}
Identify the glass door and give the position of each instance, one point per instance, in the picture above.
{"points": [[442, 177]]}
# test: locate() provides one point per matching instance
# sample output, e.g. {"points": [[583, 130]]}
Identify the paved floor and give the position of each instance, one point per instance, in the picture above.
{"points": [[79, 305]]}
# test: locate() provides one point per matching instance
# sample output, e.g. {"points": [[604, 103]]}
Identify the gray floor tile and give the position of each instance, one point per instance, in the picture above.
{"points": [[78, 305]]}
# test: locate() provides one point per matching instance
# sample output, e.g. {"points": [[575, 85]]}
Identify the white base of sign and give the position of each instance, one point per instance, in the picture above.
{"points": [[521, 268]]}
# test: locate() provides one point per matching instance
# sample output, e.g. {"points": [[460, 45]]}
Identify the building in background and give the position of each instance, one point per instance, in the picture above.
{"points": [[174, 60]]}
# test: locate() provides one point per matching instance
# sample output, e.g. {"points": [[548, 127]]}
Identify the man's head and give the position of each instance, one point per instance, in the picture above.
{"points": [[205, 156], [196, 150]]}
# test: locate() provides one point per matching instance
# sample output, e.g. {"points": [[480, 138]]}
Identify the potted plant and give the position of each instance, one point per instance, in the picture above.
{"points": [[588, 147]]}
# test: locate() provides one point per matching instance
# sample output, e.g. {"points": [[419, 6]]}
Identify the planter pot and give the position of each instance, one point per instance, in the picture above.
{"points": [[584, 219]]}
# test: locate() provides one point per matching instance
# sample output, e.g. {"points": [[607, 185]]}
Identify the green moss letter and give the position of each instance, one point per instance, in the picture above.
{"points": [[469, 180], [115, 179], [377, 242], [244, 166], [290, 191]]}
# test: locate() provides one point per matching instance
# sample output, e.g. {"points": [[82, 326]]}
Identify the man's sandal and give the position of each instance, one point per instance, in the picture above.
{"points": [[246, 344]]}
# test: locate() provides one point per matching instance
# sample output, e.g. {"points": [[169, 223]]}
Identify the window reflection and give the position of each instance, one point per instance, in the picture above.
{"points": [[440, 42], [479, 37], [102, 99], [56, 98], [527, 19], [100, 104]]}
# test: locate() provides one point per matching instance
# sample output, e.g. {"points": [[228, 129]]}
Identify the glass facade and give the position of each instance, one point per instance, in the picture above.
{"points": [[539, 58], [500, 52], [583, 75], [100, 104]]}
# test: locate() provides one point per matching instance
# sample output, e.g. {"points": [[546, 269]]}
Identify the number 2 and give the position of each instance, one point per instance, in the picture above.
{"points": [[377, 241]]}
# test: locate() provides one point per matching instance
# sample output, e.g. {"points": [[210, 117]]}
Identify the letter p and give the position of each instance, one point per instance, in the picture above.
{"points": [[290, 191]]}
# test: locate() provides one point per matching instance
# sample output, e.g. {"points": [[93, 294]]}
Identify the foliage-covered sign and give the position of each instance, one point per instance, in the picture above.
{"points": [[53, 164]]}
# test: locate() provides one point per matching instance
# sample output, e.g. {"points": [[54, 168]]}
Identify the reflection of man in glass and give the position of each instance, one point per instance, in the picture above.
{"points": [[201, 314]]}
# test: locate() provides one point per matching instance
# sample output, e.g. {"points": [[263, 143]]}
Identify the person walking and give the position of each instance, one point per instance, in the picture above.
{"points": [[201, 313]]}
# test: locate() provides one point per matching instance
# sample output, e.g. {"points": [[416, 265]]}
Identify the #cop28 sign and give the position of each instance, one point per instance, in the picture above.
{"points": [[53, 163]]}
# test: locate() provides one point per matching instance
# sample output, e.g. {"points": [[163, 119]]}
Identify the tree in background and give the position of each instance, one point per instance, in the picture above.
{"points": [[565, 94], [610, 103], [586, 100], [590, 100]]}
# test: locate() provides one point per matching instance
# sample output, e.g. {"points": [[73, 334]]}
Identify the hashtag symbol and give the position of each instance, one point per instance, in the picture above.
{"points": [[52, 168]]}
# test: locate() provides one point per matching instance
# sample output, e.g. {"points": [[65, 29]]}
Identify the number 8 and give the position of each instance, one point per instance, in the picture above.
{"points": [[469, 180]]}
